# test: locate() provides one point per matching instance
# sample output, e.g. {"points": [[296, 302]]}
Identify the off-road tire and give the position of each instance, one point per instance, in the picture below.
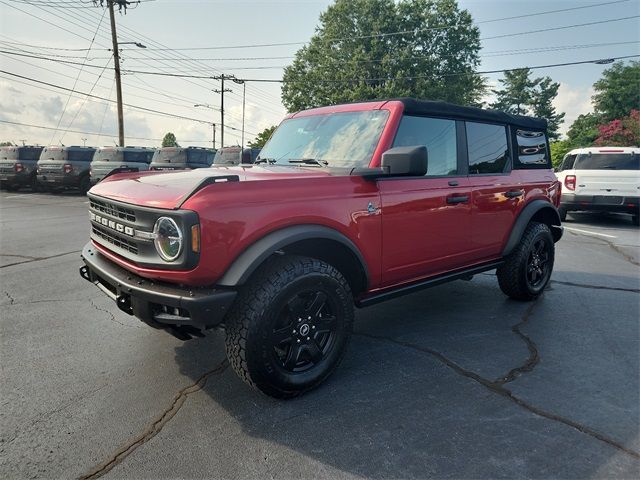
{"points": [[253, 320], [512, 274], [563, 214]]}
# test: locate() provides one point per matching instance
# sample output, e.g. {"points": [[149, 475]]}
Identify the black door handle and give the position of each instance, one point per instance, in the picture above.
{"points": [[453, 183], [514, 193], [453, 199]]}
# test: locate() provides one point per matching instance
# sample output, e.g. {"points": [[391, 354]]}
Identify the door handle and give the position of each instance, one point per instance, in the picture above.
{"points": [[514, 193], [453, 183], [453, 199]]}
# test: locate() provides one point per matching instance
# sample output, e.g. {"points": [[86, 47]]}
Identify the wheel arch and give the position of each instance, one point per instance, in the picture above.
{"points": [[316, 241], [536, 211]]}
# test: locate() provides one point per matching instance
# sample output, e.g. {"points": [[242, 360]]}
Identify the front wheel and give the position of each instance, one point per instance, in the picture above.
{"points": [[290, 326], [527, 270]]}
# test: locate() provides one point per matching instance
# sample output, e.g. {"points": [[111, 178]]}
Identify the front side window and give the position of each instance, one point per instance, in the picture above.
{"points": [[608, 161], [532, 149], [346, 139], [488, 148], [438, 135]]}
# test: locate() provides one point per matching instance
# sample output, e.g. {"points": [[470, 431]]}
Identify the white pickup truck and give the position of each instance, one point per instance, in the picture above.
{"points": [[603, 179]]}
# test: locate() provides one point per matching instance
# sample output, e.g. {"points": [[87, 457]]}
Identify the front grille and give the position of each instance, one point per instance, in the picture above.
{"points": [[114, 239], [113, 210]]}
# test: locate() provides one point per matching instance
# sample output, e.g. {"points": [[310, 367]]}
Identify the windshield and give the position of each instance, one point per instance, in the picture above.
{"points": [[608, 161], [345, 139]]}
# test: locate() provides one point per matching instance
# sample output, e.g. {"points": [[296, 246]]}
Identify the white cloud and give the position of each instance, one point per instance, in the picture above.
{"points": [[574, 102]]}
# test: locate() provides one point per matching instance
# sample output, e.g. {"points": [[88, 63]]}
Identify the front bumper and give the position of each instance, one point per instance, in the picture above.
{"points": [[600, 203], [182, 310]]}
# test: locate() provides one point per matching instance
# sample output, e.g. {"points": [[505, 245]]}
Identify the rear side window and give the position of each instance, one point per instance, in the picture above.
{"points": [[608, 161], [532, 149], [488, 148], [567, 162], [438, 135]]}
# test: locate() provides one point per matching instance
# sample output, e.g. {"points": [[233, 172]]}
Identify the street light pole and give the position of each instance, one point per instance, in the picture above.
{"points": [[213, 124], [244, 96]]}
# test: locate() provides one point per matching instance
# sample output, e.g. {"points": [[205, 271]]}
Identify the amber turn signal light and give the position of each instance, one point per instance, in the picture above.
{"points": [[195, 238]]}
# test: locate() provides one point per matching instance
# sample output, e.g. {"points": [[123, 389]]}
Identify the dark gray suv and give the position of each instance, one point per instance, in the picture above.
{"points": [[18, 166], [182, 158], [65, 167]]}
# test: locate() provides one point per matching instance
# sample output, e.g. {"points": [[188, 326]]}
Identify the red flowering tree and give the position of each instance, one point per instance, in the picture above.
{"points": [[623, 132]]}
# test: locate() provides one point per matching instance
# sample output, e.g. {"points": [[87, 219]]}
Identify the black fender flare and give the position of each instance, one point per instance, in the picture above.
{"points": [[250, 259], [528, 212]]}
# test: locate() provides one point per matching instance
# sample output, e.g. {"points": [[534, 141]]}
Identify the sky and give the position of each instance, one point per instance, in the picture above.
{"points": [[210, 37]]}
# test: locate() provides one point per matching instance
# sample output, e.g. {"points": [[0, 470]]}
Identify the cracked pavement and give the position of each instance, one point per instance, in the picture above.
{"points": [[456, 381]]}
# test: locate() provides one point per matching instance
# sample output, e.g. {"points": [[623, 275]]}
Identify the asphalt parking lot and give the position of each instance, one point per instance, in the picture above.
{"points": [[456, 381]]}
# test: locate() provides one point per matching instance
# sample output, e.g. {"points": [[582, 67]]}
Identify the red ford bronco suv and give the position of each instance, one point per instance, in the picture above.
{"points": [[346, 205]]}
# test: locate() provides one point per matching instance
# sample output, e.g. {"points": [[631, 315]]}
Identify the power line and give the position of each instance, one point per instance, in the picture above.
{"points": [[404, 32], [136, 107]]}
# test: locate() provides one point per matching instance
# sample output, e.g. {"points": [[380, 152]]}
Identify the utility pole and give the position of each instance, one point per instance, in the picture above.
{"points": [[116, 63], [221, 92]]}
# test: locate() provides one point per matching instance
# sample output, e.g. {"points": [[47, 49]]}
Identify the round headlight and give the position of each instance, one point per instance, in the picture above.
{"points": [[168, 238]]}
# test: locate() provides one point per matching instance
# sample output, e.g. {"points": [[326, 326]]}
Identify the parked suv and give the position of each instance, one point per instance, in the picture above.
{"points": [[235, 156], [602, 179], [65, 167], [346, 205], [108, 159], [179, 158], [18, 166]]}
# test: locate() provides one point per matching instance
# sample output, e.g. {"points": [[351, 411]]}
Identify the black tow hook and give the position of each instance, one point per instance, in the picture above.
{"points": [[84, 273], [124, 304]]}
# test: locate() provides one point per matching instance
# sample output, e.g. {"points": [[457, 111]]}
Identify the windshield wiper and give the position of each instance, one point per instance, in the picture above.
{"points": [[265, 160], [310, 161]]}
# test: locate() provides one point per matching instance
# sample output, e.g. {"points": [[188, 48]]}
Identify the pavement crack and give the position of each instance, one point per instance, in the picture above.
{"points": [[534, 356], [11, 299], [500, 389], [111, 315], [156, 426], [597, 287], [37, 259], [614, 247]]}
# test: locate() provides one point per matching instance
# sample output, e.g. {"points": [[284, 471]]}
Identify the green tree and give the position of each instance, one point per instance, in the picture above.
{"points": [[356, 54], [522, 95], [584, 130], [558, 150], [516, 93], [169, 140], [262, 137], [617, 92], [542, 105]]}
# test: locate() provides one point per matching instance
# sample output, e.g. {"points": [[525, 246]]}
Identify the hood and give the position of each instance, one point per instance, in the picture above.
{"points": [[167, 189]]}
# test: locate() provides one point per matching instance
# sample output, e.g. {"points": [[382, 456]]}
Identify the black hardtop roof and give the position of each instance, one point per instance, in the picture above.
{"points": [[414, 106], [22, 146]]}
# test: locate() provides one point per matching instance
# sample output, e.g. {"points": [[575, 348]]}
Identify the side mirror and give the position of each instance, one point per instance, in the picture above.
{"points": [[409, 161]]}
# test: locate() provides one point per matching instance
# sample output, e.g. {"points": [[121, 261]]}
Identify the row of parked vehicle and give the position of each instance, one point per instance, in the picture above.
{"points": [[57, 168]]}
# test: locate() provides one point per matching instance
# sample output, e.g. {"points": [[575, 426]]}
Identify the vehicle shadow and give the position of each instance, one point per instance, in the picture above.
{"points": [[394, 408], [603, 219]]}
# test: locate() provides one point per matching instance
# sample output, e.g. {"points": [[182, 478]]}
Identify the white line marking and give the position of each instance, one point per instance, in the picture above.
{"points": [[588, 232]]}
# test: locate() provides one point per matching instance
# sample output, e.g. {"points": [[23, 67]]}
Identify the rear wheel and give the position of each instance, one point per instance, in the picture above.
{"points": [[527, 270], [290, 326]]}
